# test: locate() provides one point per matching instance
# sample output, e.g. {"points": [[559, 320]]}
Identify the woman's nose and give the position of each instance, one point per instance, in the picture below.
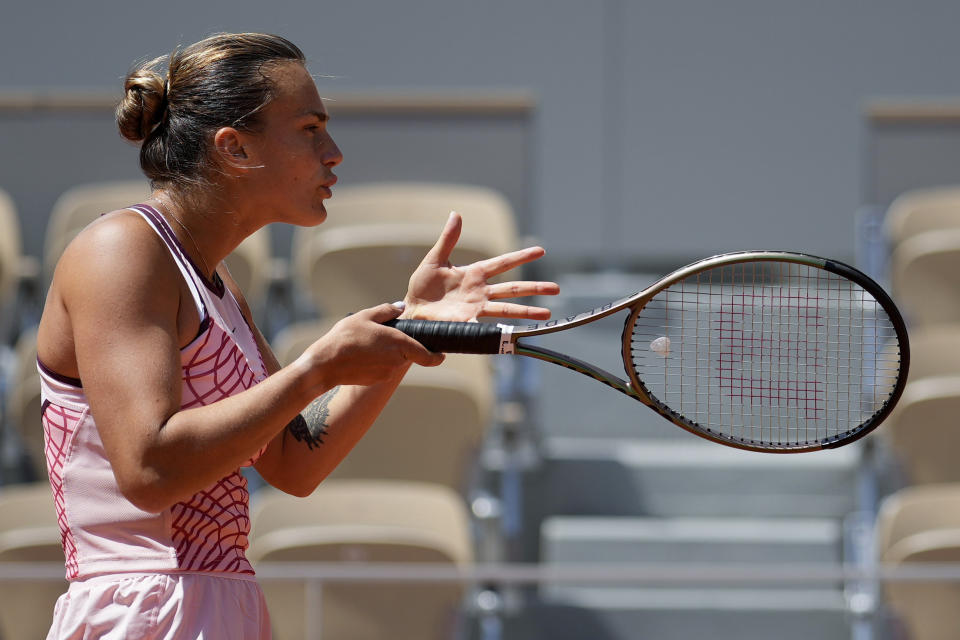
{"points": [[333, 155]]}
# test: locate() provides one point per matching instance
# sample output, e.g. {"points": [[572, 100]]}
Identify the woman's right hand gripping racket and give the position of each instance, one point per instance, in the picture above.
{"points": [[761, 350]]}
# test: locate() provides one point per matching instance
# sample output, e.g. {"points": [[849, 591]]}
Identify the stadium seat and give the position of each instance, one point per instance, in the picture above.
{"points": [[934, 351], [10, 248], [79, 206], [920, 211], [23, 401], [916, 525], [376, 235], [921, 432], [410, 441], [925, 277], [29, 533], [362, 522], [249, 264]]}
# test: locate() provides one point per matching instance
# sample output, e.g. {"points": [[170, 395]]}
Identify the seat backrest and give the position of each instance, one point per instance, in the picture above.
{"points": [[424, 203], [922, 210], [10, 246], [935, 350], [23, 400], [388, 512], [922, 431], [432, 428], [925, 275], [362, 522], [250, 264], [922, 524], [29, 533], [79, 206], [375, 235], [916, 509], [28, 507]]}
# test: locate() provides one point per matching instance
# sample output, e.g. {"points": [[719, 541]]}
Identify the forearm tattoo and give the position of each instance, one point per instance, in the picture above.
{"points": [[311, 424]]}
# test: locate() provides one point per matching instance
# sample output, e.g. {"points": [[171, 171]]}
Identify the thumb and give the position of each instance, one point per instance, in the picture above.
{"points": [[419, 354], [384, 312]]}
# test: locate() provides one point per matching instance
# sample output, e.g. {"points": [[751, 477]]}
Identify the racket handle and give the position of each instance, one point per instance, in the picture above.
{"points": [[451, 337]]}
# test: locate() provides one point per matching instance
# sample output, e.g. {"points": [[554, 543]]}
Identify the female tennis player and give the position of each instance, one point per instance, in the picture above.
{"points": [[157, 385]]}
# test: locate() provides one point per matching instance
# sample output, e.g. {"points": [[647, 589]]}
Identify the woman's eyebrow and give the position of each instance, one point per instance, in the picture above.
{"points": [[319, 115]]}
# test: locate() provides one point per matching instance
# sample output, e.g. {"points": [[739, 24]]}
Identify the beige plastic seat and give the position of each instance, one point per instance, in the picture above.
{"points": [[357, 522], [432, 427], [920, 211], [375, 236], [79, 206], [935, 351], [10, 248], [916, 525], [925, 277], [29, 533], [23, 400], [922, 431], [249, 264]]}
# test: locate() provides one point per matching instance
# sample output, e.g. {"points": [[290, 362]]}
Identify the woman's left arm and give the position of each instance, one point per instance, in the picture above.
{"points": [[315, 441]]}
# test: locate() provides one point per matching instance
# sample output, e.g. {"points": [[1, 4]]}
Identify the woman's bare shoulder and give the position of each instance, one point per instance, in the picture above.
{"points": [[112, 268], [119, 245]]}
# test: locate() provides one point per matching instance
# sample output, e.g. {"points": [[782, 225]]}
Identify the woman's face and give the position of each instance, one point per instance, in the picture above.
{"points": [[293, 152]]}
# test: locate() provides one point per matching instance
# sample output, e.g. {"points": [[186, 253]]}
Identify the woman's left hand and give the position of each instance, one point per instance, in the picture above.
{"points": [[439, 290]]}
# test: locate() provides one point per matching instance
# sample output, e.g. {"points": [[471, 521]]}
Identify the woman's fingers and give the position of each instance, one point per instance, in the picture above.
{"points": [[440, 252], [521, 289], [502, 263], [419, 354], [406, 346], [381, 313], [511, 310]]}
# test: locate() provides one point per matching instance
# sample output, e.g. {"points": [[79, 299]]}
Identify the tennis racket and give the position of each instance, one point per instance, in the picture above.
{"points": [[760, 350]]}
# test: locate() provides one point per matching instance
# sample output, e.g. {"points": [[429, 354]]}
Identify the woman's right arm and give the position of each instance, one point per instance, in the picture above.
{"points": [[122, 293]]}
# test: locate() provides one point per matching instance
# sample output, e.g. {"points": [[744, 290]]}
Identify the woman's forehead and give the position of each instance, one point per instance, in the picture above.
{"points": [[296, 91]]}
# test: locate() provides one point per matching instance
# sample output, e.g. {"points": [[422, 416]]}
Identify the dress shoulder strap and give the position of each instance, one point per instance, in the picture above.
{"points": [[186, 266]]}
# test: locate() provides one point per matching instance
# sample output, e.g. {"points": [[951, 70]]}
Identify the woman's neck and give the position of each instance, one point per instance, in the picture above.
{"points": [[208, 227]]}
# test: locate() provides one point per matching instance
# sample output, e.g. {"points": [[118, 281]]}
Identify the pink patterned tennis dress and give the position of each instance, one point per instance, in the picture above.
{"points": [[181, 573]]}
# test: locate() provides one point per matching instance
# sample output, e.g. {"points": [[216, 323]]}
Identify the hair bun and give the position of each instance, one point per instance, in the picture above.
{"points": [[144, 104]]}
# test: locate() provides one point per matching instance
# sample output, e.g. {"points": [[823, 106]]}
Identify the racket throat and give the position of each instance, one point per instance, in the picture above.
{"points": [[580, 366]]}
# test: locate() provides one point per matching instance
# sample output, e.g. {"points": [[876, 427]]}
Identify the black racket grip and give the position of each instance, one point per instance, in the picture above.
{"points": [[451, 337]]}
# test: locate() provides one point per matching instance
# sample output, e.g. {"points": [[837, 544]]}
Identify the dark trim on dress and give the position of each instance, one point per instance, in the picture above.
{"points": [[59, 377], [216, 286]]}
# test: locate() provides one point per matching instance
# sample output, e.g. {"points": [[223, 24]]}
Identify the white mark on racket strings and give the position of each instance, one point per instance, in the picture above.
{"points": [[661, 346]]}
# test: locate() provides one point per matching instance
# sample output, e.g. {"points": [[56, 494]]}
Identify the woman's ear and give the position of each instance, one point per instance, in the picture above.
{"points": [[234, 150]]}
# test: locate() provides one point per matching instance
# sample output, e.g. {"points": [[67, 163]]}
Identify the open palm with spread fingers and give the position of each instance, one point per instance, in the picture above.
{"points": [[438, 290]]}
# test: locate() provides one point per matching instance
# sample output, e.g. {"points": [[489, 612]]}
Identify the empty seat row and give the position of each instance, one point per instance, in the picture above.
{"points": [[431, 430], [922, 228], [919, 432], [374, 237], [400, 495], [342, 522], [916, 526], [919, 523]]}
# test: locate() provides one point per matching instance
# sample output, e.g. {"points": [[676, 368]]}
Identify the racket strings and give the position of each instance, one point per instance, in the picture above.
{"points": [[771, 353]]}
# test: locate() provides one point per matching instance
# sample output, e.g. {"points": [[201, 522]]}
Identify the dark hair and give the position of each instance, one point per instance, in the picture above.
{"points": [[217, 82]]}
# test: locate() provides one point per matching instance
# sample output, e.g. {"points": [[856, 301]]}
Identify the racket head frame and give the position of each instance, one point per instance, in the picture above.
{"points": [[641, 392]]}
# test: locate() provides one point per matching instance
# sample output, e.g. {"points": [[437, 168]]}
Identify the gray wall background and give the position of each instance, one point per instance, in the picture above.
{"points": [[662, 129]]}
